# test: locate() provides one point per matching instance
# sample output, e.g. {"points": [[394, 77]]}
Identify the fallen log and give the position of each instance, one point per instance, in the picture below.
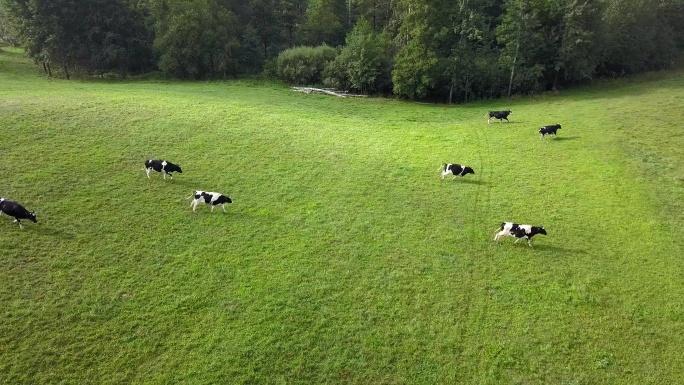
{"points": [[327, 91]]}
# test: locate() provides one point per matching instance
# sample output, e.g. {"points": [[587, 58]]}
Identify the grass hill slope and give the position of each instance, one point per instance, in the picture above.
{"points": [[344, 258]]}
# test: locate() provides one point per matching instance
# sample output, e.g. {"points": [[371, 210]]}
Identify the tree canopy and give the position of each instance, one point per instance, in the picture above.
{"points": [[449, 50]]}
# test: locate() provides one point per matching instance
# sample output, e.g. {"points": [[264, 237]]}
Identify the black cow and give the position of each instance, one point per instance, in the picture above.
{"points": [[210, 198], [162, 166], [501, 115], [548, 130], [455, 170], [510, 229], [14, 209]]}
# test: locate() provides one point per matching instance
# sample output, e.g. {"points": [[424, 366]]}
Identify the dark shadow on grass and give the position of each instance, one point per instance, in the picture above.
{"points": [[567, 138], [472, 181], [52, 232], [505, 123], [556, 249]]}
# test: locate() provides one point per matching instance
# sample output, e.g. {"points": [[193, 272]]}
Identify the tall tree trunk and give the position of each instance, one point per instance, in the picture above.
{"points": [[451, 91], [466, 89], [515, 58], [555, 81], [49, 71]]}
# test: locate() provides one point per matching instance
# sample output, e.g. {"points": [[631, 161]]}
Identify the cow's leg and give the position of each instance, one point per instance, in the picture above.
{"points": [[148, 173], [517, 240], [164, 173], [223, 206], [170, 174], [498, 235], [529, 242], [212, 208], [194, 205], [19, 222]]}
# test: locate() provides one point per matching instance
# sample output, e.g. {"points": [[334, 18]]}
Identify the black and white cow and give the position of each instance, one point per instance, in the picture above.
{"points": [[162, 166], [510, 229], [455, 170], [210, 198], [501, 115], [14, 209], [548, 130]]}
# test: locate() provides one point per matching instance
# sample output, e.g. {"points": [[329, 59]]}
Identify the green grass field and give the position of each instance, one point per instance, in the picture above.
{"points": [[344, 259]]}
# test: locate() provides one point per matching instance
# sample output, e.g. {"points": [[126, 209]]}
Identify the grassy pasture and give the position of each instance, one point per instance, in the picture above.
{"points": [[343, 259]]}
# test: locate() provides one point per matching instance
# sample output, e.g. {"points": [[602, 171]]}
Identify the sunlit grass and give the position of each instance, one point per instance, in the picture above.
{"points": [[344, 258]]}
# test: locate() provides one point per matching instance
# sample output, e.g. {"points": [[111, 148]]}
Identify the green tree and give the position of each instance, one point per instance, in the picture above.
{"points": [[641, 35], [251, 55], [463, 39], [293, 16], [7, 31], [520, 34], [361, 62], [415, 69], [580, 40], [304, 65], [322, 25], [195, 38], [93, 36]]}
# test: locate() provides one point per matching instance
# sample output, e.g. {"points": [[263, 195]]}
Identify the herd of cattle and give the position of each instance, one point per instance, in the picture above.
{"points": [[167, 168], [510, 229]]}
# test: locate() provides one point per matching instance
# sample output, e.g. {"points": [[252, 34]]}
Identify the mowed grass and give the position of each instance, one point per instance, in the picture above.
{"points": [[344, 259]]}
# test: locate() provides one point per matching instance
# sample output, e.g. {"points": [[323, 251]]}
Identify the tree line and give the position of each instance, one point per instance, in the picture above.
{"points": [[449, 50]]}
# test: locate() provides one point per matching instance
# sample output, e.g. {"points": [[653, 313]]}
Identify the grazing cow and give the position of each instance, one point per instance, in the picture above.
{"points": [[510, 229], [210, 198], [501, 115], [14, 209], [455, 170], [162, 166], [548, 130]]}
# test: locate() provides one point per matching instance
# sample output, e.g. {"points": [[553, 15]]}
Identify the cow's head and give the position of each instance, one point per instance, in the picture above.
{"points": [[541, 230], [468, 170], [509, 112], [173, 168], [32, 217]]}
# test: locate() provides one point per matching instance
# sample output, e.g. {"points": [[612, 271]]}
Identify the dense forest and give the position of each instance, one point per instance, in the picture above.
{"points": [[449, 50]]}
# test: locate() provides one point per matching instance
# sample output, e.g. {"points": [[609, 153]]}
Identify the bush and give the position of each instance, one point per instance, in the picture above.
{"points": [[336, 74], [304, 65], [363, 64]]}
